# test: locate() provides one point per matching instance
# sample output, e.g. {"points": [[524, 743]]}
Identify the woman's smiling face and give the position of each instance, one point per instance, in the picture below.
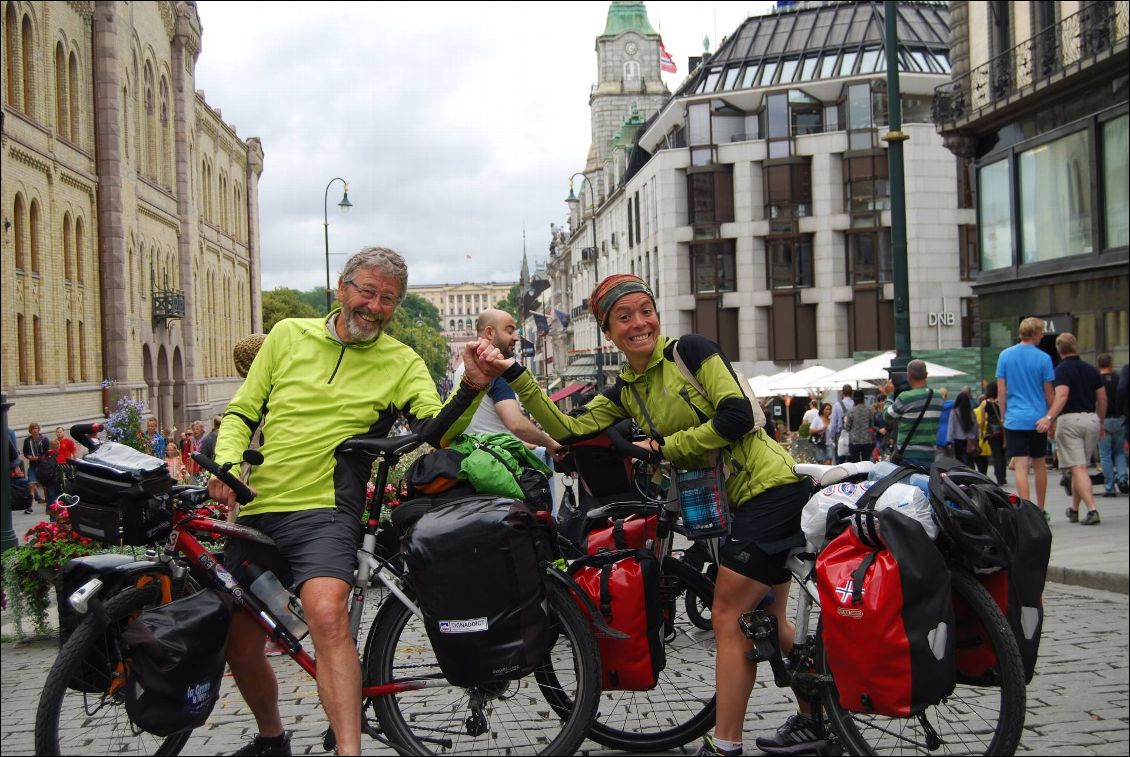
{"points": [[633, 326]]}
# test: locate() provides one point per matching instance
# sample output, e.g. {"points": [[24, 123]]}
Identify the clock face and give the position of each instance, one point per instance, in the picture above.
{"points": [[631, 48]]}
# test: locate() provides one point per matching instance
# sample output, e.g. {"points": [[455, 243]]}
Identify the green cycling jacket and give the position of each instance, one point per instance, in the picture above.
{"points": [[318, 392], [692, 425]]}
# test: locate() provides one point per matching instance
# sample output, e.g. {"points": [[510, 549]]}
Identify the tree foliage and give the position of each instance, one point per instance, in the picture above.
{"points": [[416, 323], [510, 304], [283, 302]]}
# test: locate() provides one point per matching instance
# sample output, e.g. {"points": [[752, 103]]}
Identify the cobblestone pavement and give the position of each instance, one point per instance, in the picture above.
{"points": [[1077, 703]]}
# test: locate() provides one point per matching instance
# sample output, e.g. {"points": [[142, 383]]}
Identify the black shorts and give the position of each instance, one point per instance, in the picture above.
{"points": [[310, 544], [763, 531], [1025, 443]]}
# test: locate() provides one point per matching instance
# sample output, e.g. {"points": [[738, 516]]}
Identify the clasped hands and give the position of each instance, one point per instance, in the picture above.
{"points": [[483, 362]]}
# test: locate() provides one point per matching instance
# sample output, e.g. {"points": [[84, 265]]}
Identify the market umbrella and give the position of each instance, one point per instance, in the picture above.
{"points": [[875, 369]]}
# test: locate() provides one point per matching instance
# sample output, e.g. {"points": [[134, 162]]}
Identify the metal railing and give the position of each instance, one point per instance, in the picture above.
{"points": [[168, 305], [1072, 42]]}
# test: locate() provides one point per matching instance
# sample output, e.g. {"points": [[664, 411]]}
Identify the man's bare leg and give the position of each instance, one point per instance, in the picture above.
{"points": [[253, 673], [1040, 466], [339, 670], [1020, 468]]}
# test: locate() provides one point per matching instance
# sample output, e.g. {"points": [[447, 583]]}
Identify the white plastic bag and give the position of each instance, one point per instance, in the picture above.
{"points": [[907, 499]]}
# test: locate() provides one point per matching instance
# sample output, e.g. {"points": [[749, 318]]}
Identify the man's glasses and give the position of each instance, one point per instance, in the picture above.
{"points": [[386, 299]]}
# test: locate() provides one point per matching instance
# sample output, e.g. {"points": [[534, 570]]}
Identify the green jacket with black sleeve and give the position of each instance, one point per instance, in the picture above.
{"points": [[692, 425], [318, 392]]}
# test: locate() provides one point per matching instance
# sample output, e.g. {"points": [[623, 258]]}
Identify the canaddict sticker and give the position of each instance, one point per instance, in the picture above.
{"points": [[470, 625]]}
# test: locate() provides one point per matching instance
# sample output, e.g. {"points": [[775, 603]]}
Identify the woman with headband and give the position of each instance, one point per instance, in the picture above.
{"points": [[686, 426]]}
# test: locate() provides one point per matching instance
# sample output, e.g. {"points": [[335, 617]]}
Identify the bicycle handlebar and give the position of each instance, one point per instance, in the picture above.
{"points": [[624, 446], [243, 495]]}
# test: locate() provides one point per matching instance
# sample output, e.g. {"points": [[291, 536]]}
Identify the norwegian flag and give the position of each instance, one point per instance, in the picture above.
{"points": [[666, 62], [843, 592]]}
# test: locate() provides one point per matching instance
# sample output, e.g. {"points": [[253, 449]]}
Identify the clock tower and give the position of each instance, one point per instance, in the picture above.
{"points": [[627, 60]]}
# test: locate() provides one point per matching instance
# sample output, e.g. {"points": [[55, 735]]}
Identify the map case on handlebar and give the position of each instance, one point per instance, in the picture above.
{"points": [[122, 496]]}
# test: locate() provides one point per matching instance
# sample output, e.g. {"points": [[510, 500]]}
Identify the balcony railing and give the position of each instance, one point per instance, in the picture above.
{"points": [[1054, 51], [168, 305]]}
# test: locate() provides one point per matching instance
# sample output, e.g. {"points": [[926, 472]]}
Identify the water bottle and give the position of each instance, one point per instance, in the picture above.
{"points": [[284, 606], [884, 468]]}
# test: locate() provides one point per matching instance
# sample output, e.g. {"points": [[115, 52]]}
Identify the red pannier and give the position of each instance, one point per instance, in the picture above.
{"points": [[887, 613], [632, 532], [624, 587]]}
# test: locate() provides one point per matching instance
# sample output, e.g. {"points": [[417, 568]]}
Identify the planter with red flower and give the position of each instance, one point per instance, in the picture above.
{"points": [[29, 570]]}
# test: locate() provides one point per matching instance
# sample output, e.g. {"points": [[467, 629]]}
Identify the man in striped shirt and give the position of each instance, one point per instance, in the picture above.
{"points": [[920, 401]]}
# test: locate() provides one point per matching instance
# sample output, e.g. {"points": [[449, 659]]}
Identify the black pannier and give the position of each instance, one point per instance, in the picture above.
{"points": [[123, 496], [177, 654], [116, 572], [475, 564]]}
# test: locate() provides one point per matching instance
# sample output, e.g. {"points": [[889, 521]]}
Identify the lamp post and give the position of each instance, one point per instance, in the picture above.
{"points": [[345, 205], [594, 255], [894, 139]]}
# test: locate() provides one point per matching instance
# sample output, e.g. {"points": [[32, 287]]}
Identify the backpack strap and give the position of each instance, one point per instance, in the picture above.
{"points": [[858, 575], [914, 426]]}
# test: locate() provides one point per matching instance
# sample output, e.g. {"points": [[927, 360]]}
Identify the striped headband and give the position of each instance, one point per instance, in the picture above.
{"points": [[611, 289]]}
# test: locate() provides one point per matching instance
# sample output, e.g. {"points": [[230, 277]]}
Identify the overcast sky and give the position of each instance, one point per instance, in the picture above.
{"points": [[455, 124]]}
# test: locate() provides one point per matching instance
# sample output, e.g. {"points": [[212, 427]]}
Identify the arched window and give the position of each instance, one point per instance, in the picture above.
{"points": [[81, 351], [21, 348], [74, 89], [62, 118], [129, 278], [125, 123], [632, 70], [72, 362], [166, 157], [37, 347], [12, 78], [150, 117], [20, 230], [27, 48], [68, 248], [33, 238], [80, 249]]}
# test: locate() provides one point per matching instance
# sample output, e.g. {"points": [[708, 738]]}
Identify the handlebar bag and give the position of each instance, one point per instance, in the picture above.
{"points": [[177, 653], [886, 614], [123, 496], [474, 564], [632, 532], [624, 586]]}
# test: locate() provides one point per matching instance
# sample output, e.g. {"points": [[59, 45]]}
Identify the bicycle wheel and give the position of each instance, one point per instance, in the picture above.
{"points": [[986, 718], [517, 719], [680, 708], [74, 722]]}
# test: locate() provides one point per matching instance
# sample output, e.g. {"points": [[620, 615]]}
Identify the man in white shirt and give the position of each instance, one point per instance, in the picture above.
{"points": [[840, 411]]}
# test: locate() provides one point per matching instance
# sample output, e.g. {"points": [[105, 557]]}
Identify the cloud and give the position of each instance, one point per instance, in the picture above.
{"points": [[456, 124]]}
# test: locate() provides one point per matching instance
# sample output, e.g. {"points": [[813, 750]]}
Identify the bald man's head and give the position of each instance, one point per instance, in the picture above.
{"points": [[498, 326]]}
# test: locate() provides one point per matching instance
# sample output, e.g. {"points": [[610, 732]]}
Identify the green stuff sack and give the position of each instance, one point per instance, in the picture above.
{"points": [[501, 464]]}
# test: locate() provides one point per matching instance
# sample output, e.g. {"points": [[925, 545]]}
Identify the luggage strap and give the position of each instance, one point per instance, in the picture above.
{"points": [[858, 575]]}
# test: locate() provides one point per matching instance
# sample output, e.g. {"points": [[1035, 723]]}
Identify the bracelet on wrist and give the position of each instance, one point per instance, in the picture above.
{"points": [[471, 384]]}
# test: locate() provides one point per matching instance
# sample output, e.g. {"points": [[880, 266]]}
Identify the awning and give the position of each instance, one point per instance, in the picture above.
{"points": [[568, 391]]}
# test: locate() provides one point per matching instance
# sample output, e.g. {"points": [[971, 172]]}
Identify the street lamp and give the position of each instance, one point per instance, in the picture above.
{"points": [[345, 205], [594, 255]]}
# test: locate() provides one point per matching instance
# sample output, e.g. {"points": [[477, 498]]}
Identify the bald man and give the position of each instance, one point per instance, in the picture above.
{"points": [[500, 409]]}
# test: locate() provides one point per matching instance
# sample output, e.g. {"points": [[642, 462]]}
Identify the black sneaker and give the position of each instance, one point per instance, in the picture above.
{"points": [[800, 734], [275, 746], [1072, 515]]}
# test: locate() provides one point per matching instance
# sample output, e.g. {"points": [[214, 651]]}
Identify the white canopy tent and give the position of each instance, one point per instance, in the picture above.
{"points": [[757, 383], [795, 384], [874, 369]]}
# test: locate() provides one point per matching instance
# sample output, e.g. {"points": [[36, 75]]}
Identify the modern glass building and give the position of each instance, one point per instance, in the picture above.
{"points": [[1038, 108]]}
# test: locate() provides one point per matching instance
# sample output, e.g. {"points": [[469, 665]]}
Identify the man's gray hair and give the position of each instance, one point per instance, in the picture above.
{"points": [[383, 261], [916, 369]]}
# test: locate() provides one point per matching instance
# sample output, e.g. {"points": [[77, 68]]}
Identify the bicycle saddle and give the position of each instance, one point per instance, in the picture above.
{"points": [[826, 475]]}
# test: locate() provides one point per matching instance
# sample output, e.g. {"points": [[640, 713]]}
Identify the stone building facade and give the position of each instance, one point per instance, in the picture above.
{"points": [[130, 234], [1039, 105], [459, 305], [756, 201]]}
